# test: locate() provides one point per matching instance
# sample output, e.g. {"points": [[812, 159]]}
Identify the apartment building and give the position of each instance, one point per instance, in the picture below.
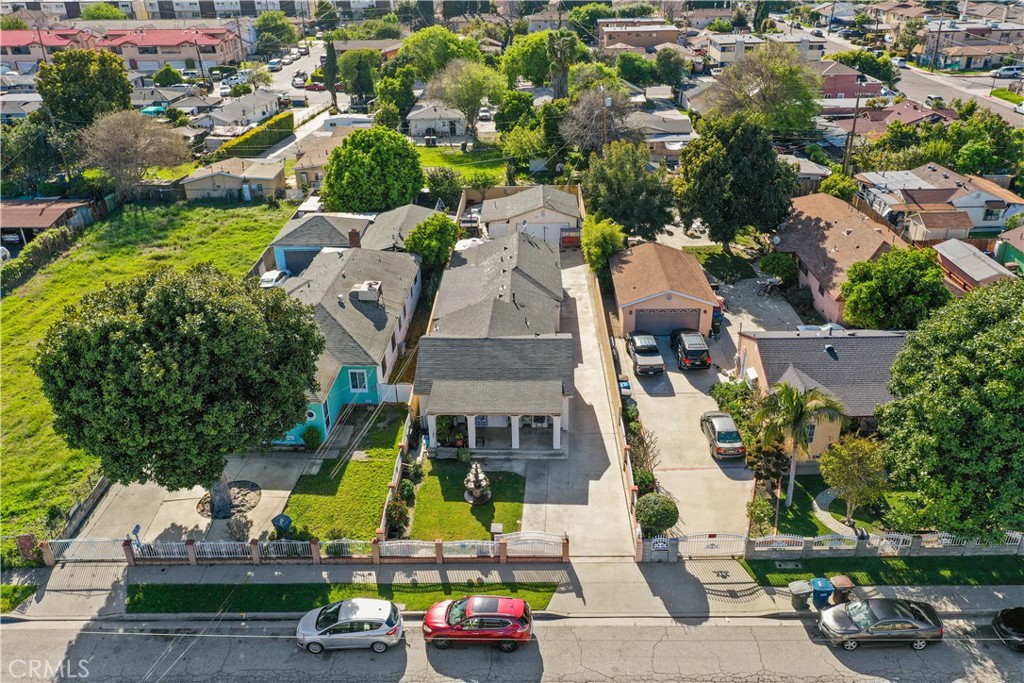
{"points": [[808, 47], [72, 9], [725, 49], [22, 51], [642, 35], [148, 50], [956, 45]]}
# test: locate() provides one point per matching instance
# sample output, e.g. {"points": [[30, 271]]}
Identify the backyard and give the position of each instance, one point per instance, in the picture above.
{"points": [[482, 158], [725, 267], [442, 512], [41, 475], [349, 504]]}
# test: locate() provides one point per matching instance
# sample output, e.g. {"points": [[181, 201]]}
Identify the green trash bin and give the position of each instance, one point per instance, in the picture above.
{"points": [[800, 592]]}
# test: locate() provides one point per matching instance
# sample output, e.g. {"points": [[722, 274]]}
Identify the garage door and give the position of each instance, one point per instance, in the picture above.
{"points": [[297, 261], [663, 321]]}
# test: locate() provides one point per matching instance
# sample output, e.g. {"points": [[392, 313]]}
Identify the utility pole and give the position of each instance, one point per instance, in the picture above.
{"points": [[935, 48], [831, 16], [853, 129]]}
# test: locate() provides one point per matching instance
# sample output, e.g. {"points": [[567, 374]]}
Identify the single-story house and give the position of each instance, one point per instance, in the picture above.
{"points": [[665, 133], [18, 105], [388, 48], [347, 121], [659, 288], [853, 366], [809, 173], [388, 230], [28, 218], [493, 363], [363, 302], [1010, 249], [301, 239], [825, 236], [235, 178], [248, 110], [543, 211], [967, 266], [311, 154], [199, 104], [434, 118], [156, 97]]}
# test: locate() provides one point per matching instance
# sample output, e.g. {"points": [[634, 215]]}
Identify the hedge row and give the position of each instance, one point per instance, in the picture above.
{"points": [[259, 139], [47, 246]]}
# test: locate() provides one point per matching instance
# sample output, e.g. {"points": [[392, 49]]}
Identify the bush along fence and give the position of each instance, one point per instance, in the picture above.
{"points": [[259, 139]]}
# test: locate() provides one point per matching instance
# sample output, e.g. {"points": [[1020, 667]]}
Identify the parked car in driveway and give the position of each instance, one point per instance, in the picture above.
{"points": [[723, 436], [882, 621], [357, 623], [506, 622], [1009, 626], [690, 349], [274, 278], [642, 347]]}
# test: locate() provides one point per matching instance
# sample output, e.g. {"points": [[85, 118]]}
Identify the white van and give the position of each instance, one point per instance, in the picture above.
{"points": [[899, 62]]}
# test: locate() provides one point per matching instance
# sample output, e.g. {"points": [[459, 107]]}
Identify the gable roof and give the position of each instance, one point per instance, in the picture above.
{"points": [[246, 104], [356, 332], [313, 150], [968, 264], [143, 96], [827, 67], [35, 213], [320, 230], [530, 199], [384, 45], [856, 371], [667, 121], [653, 269], [502, 288], [236, 167], [165, 37], [806, 166], [430, 110], [389, 229], [829, 236]]}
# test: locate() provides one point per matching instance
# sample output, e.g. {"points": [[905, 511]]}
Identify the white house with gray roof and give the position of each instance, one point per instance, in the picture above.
{"points": [[494, 366], [543, 211], [435, 118]]}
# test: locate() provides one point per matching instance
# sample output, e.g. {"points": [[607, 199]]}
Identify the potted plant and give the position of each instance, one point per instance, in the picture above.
{"points": [[445, 430], [460, 440]]}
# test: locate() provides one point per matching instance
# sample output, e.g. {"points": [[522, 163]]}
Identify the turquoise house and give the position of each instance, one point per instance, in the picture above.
{"points": [[301, 239], [363, 301]]}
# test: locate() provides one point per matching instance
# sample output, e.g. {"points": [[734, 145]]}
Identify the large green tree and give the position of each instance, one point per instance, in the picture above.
{"points": [[433, 241], [527, 57], [774, 82], [12, 23], [357, 69], [398, 89], [445, 183], [516, 108], [894, 292], [274, 32], [126, 144], [855, 470], [373, 169], [102, 11], [583, 19], [618, 185], [731, 177], [432, 48], [599, 241], [79, 85], [636, 69], [587, 75], [671, 67], [28, 156], [563, 50], [330, 71], [868, 64], [787, 413], [167, 76], [165, 374], [464, 85], [953, 431]]}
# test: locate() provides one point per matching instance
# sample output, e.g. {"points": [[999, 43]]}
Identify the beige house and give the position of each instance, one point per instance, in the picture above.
{"points": [[148, 50], [809, 47], [435, 118], [547, 213], [854, 367], [725, 49], [235, 178], [659, 288], [23, 50], [641, 35], [311, 155]]}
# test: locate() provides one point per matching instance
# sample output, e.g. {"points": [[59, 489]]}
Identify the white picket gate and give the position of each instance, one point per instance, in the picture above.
{"points": [[88, 549]]}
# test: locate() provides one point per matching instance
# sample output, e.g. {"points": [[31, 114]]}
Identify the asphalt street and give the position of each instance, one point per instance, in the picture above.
{"points": [[566, 651]]}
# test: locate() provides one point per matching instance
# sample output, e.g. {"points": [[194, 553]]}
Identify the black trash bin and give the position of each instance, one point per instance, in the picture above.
{"points": [[282, 525], [799, 592]]}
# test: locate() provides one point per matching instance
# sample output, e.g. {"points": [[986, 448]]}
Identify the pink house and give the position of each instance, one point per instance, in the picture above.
{"points": [[840, 81]]}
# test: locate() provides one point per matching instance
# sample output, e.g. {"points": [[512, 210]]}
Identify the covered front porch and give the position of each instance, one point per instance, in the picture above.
{"points": [[486, 433]]}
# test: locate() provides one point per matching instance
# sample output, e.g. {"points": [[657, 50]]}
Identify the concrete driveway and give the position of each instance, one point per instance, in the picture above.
{"points": [[748, 312]]}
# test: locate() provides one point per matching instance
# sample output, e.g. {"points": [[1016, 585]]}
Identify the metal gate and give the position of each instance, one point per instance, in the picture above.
{"points": [[695, 546], [87, 549], [662, 321]]}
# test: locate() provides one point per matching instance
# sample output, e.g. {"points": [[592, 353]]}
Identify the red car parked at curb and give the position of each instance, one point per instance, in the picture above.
{"points": [[481, 618]]}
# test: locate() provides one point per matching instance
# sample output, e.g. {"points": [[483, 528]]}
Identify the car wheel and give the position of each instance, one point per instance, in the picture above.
{"points": [[919, 644], [442, 643], [508, 645], [315, 648], [850, 645], [379, 647]]}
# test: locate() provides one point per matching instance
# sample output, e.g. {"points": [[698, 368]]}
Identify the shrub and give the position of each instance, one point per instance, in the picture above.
{"points": [[481, 180], [645, 453], [781, 266], [406, 489], [414, 470], [397, 514], [760, 513], [44, 248], [259, 139], [656, 513], [313, 438], [463, 454], [239, 527], [643, 480]]}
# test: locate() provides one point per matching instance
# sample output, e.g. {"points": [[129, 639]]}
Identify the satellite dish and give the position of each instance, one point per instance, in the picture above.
{"points": [[776, 239]]}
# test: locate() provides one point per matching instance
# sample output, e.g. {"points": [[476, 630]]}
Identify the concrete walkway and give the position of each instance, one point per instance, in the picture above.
{"points": [[820, 505]]}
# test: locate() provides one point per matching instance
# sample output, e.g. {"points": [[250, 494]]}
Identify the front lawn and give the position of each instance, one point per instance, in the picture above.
{"points": [[349, 505], [725, 267], [442, 512], [167, 598], [13, 595], [482, 158], [1005, 94], [997, 570], [40, 472], [800, 519]]}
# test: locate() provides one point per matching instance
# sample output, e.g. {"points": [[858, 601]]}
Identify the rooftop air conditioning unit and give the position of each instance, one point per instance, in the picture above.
{"points": [[368, 291]]}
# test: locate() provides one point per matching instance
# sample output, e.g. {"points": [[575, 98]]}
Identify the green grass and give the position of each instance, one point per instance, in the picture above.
{"points": [[289, 166], [349, 505], [800, 519], [39, 470], [996, 570], [13, 595], [172, 172], [299, 597], [727, 267], [442, 512], [1004, 94], [480, 159], [865, 516]]}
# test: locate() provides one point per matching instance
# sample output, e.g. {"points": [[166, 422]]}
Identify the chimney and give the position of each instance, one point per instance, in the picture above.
{"points": [[354, 241]]}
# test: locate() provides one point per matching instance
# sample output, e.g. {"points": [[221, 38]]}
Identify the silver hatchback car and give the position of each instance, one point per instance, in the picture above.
{"points": [[356, 623]]}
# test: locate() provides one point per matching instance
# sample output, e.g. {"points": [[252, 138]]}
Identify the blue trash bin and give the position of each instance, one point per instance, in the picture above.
{"points": [[822, 592]]}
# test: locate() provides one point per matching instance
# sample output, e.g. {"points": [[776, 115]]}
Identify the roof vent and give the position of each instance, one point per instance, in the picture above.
{"points": [[369, 290], [931, 167], [848, 231], [945, 175], [831, 350], [959, 184]]}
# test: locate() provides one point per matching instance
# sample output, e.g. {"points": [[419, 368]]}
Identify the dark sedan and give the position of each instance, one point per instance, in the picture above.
{"points": [[883, 621], [1009, 626]]}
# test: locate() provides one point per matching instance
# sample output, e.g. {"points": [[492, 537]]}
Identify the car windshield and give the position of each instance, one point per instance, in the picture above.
{"points": [[328, 616], [645, 345], [860, 614], [457, 612], [729, 437]]}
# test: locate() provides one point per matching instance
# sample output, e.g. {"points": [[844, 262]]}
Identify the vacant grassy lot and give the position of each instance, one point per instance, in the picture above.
{"points": [[349, 505], [480, 159], [299, 597], [39, 470], [725, 267], [442, 512], [12, 596], [1005, 94], [172, 172], [901, 571]]}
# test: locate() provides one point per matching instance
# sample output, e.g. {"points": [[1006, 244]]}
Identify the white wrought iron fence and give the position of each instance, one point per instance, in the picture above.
{"points": [[162, 549], [403, 548], [889, 543], [779, 542], [88, 549], [710, 544], [532, 544], [942, 540], [834, 542], [346, 548], [471, 549], [285, 548], [222, 549]]}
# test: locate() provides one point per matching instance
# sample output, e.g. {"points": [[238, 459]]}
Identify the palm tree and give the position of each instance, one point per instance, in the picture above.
{"points": [[787, 413], [561, 48]]}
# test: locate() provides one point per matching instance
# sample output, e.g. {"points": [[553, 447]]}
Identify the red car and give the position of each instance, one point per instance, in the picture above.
{"points": [[316, 86], [480, 618]]}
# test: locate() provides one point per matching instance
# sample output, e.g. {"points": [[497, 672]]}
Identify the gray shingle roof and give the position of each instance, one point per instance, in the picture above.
{"points": [[510, 397], [319, 230], [390, 228], [538, 197], [856, 371], [505, 287], [357, 332]]}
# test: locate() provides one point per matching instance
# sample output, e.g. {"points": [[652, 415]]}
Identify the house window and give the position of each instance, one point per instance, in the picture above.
{"points": [[357, 380], [993, 214], [327, 417], [802, 266], [821, 290], [384, 367], [147, 50], [392, 341], [810, 432]]}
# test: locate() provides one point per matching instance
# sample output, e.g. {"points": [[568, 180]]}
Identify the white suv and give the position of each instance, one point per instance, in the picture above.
{"points": [[1007, 72]]}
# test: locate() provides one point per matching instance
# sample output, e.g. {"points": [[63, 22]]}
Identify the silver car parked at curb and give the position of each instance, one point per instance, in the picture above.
{"points": [[356, 623], [881, 621]]}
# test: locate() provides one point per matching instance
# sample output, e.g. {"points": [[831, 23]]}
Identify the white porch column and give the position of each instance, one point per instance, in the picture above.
{"points": [[565, 412], [432, 430], [471, 430], [515, 431], [556, 431]]}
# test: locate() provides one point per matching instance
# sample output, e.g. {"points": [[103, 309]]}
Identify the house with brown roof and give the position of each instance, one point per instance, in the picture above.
{"points": [[659, 288], [825, 236], [871, 123], [24, 219], [839, 81], [311, 155], [235, 178]]}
